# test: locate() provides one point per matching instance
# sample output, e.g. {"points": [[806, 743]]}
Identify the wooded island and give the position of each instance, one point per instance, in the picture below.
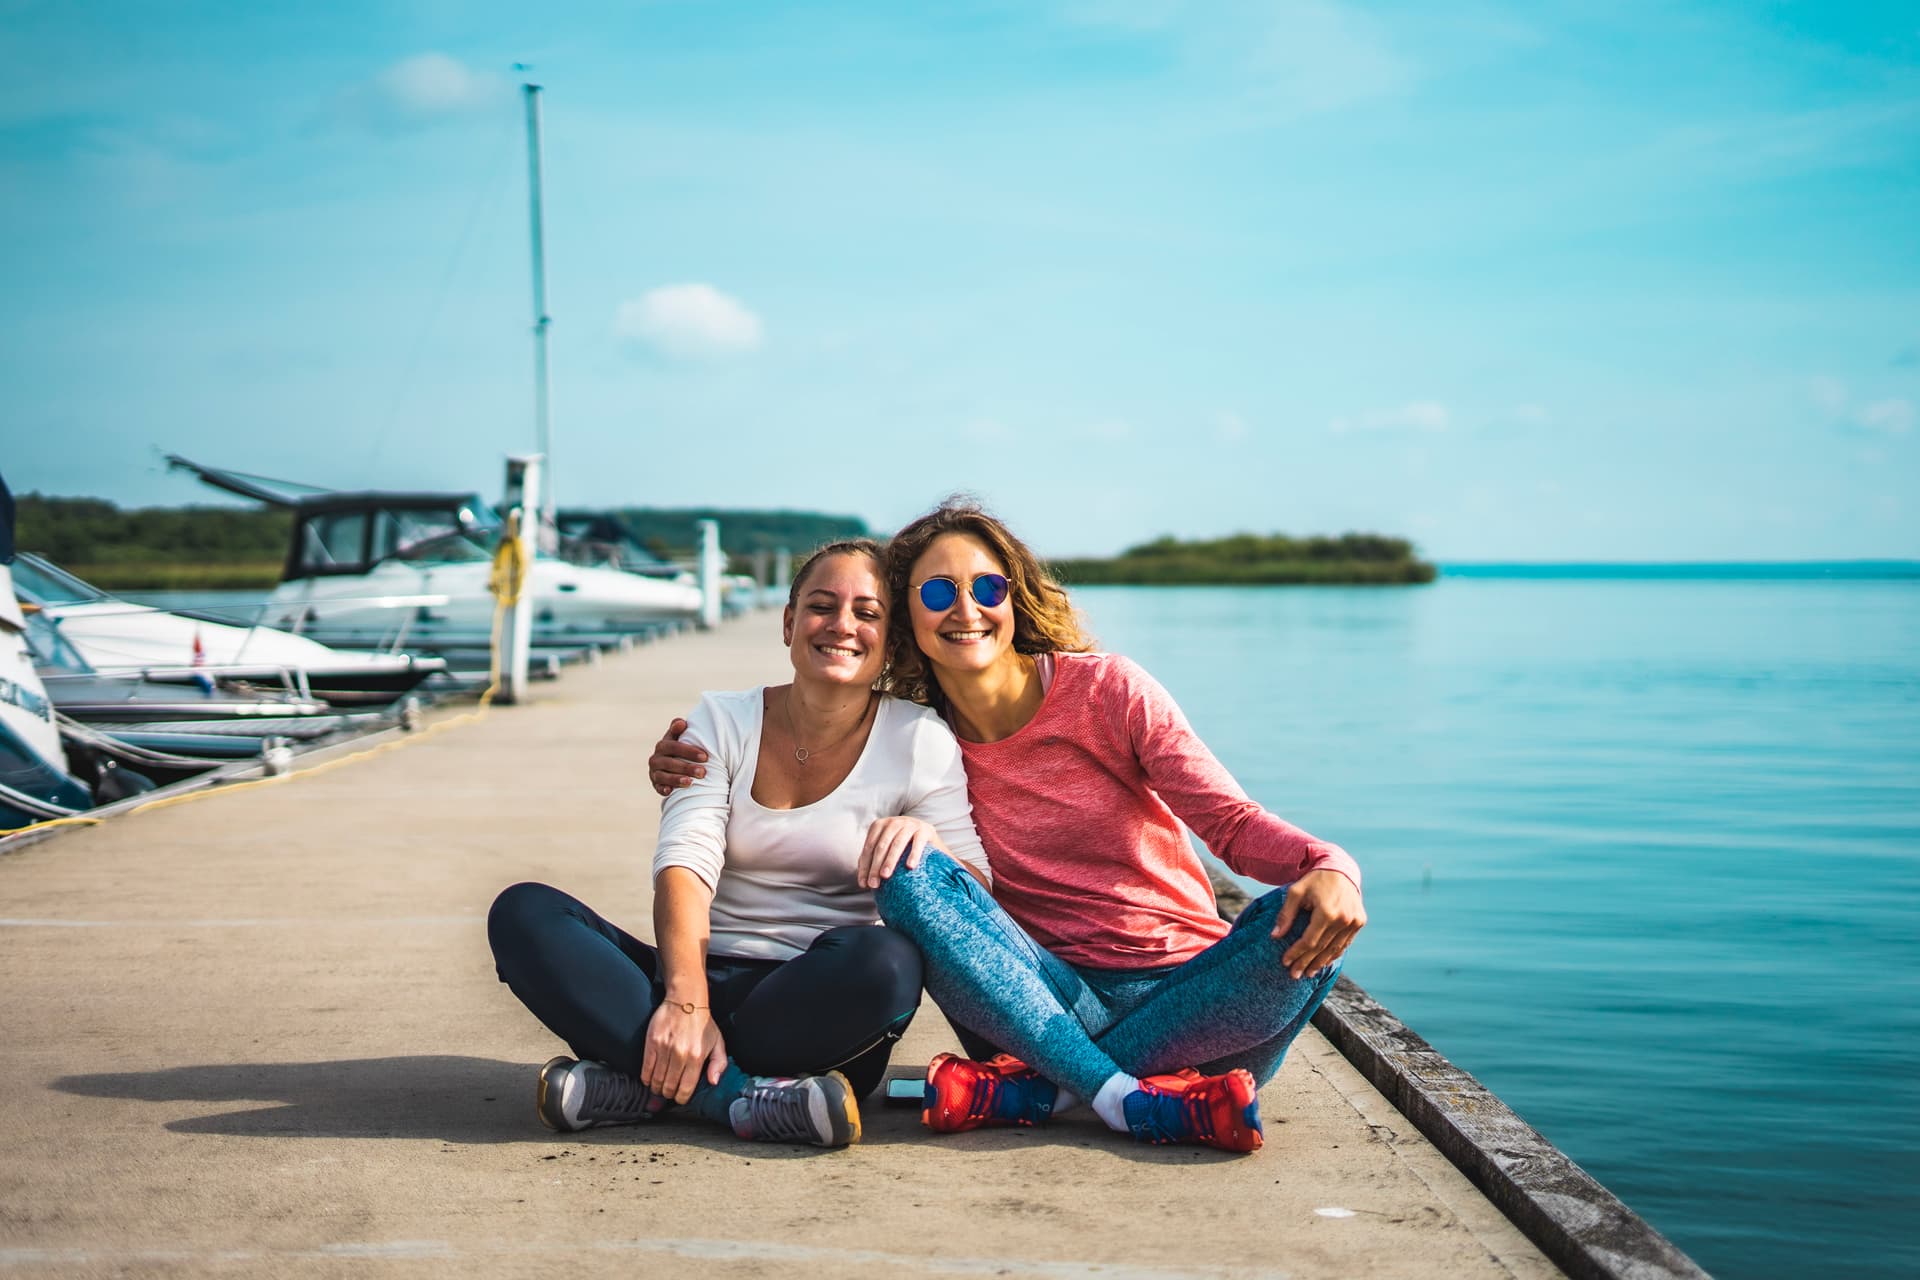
{"points": [[1251, 559]]}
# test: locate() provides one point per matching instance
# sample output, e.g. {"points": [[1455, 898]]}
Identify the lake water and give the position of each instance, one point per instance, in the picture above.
{"points": [[1642, 855]]}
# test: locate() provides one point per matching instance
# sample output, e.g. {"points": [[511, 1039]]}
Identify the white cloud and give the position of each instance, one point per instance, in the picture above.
{"points": [[1531, 415], [1280, 58], [1887, 417], [1829, 395], [421, 90], [1415, 415], [1231, 427], [1106, 431], [1832, 400], [688, 321]]}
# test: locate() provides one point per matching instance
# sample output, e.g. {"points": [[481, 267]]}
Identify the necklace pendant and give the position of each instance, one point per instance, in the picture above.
{"points": [[801, 754]]}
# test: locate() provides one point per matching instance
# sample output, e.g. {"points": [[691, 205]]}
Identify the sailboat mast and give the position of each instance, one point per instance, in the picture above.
{"points": [[542, 426]]}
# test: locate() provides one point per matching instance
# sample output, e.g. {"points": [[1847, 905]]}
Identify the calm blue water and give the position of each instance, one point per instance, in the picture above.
{"points": [[1644, 856]]}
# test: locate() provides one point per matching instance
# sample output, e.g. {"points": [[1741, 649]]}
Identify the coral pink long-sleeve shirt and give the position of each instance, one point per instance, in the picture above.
{"points": [[1080, 813]]}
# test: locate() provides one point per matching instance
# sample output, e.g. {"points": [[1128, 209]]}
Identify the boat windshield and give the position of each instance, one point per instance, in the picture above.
{"points": [[48, 584], [428, 537], [444, 548], [353, 539], [51, 651]]}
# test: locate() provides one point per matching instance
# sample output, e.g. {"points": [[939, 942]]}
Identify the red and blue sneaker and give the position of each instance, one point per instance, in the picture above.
{"points": [[1213, 1111], [963, 1094]]}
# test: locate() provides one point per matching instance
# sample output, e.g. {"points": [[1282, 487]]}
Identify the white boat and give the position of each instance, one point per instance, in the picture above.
{"points": [[35, 783], [386, 569], [118, 637]]}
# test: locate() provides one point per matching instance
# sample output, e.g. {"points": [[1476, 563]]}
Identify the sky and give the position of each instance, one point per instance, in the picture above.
{"points": [[1587, 281]]}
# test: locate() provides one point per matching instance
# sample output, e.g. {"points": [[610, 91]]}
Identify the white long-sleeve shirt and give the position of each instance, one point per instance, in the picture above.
{"points": [[780, 877]]}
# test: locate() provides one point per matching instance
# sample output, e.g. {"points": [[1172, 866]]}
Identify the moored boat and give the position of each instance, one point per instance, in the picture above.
{"points": [[36, 784], [383, 568], [118, 637]]}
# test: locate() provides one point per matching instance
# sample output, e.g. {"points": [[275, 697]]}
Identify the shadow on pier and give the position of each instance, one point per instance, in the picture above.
{"points": [[455, 1099]]}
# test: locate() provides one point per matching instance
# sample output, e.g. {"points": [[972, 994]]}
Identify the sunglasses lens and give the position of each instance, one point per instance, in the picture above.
{"points": [[938, 594], [989, 589]]}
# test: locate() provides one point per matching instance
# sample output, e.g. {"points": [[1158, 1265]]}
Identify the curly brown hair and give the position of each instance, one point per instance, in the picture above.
{"points": [[1044, 619], [875, 552]]}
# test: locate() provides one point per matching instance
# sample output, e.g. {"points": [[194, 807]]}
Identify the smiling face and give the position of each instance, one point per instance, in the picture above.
{"points": [[965, 637], [836, 629]]}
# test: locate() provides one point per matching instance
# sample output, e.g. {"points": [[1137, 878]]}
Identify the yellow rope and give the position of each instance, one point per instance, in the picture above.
{"points": [[507, 582], [75, 820]]}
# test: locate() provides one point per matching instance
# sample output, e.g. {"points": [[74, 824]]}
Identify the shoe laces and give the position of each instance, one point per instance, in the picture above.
{"points": [[1022, 1096], [781, 1111], [1172, 1117], [612, 1095]]}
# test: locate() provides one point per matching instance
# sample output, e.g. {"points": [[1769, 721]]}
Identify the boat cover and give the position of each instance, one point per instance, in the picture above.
{"points": [[279, 493]]}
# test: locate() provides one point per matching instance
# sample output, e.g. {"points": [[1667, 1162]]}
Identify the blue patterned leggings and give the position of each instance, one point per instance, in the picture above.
{"points": [[1233, 1005]]}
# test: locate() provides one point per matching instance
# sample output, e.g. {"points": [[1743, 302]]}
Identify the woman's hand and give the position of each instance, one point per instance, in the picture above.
{"points": [[1333, 902], [674, 764], [888, 841], [679, 1043]]}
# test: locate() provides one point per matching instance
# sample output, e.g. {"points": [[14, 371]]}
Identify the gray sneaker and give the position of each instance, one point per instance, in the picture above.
{"points": [[817, 1109], [581, 1095]]}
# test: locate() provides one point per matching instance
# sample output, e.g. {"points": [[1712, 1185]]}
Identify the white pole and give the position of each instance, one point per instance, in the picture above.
{"points": [[541, 498], [782, 574], [516, 628], [710, 566]]}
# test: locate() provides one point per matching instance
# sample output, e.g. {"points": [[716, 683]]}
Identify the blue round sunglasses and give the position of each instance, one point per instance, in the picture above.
{"points": [[939, 594]]}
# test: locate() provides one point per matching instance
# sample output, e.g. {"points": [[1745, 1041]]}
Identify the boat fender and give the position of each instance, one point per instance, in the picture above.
{"points": [[113, 781]]}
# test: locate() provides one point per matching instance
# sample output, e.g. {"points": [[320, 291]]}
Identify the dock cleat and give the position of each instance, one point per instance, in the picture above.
{"points": [[820, 1110], [585, 1095], [1213, 1111], [963, 1094]]}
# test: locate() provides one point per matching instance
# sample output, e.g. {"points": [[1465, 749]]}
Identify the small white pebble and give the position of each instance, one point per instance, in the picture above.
{"points": [[1332, 1212]]}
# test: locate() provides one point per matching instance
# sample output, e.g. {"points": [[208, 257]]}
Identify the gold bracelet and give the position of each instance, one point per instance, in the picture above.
{"points": [[684, 1006]]}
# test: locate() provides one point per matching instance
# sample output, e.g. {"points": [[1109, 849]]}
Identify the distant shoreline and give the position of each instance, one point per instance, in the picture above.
{"points": [[1692, 570]]}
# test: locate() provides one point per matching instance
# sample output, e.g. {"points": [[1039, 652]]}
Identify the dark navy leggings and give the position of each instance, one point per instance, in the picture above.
{"points": [[838, 1006]]}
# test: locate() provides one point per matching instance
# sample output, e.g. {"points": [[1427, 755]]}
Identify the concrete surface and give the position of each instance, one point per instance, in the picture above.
{"points": [[259, 1034]]}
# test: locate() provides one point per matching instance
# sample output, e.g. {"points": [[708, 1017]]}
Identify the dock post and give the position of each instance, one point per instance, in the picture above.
{"points": [[711, 585], [516, 627], [782, 574], [762, 567]]}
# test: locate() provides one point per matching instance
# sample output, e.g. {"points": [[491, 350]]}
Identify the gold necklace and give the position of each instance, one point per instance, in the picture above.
{"points": [[803, 754]]}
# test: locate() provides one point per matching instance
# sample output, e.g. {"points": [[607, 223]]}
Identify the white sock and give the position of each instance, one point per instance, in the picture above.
{"points": [[1063, 1099], [1109, 1103]]}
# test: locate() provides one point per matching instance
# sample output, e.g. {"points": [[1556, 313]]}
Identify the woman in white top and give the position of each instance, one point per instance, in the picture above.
{"points": [[773, 996]]}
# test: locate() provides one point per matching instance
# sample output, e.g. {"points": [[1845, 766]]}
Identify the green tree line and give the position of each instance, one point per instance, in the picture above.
{"points": [[73, 531], [148, 548], [1248, 559], [673, 530]]}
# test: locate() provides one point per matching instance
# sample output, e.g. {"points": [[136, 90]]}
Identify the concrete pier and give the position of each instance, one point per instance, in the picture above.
{"points": [[260, 1034]]}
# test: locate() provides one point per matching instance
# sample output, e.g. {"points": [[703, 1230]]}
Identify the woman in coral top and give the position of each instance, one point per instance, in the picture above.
{"points": [[1098, 969]]}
